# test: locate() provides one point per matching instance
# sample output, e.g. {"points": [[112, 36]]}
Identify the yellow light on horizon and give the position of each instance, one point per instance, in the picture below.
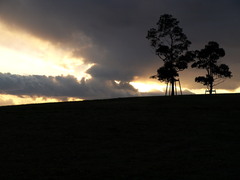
{"points": [[6, 100], [218, 91], [148, 86]]}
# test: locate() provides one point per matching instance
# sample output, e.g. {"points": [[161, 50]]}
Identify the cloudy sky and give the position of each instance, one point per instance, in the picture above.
{"points": [[54, 50]]}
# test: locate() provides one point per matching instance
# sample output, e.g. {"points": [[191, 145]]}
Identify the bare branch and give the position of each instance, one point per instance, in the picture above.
{"points": [[219, 83]]}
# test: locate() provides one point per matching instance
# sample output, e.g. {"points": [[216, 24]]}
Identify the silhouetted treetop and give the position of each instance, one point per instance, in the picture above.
{"points": [[168, 39], [209, 55]]}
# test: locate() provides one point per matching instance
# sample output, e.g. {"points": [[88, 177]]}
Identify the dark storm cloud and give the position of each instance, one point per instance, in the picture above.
{"points": [[111, 33], [60, 87]]}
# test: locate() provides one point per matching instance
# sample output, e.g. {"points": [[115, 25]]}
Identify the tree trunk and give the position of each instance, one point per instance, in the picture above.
{"points": [[211, 88], [173, 83]]}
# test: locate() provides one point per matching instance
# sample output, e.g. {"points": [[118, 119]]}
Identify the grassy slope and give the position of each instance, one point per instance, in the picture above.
{"points": [[184, 137]]}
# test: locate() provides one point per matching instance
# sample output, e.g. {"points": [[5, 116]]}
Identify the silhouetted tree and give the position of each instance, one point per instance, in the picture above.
{"points": [[207, 59], [170, 45]]}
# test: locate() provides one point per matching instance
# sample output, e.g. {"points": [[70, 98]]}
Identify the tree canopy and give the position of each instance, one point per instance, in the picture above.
{"points": [[207, 59]]}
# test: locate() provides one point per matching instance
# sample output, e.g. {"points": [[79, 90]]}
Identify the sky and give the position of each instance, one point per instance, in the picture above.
{"points": [[58, 50]]}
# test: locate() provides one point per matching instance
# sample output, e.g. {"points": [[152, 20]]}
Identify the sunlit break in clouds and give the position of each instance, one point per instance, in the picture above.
{"points": [[34, 70], [25, 54]]}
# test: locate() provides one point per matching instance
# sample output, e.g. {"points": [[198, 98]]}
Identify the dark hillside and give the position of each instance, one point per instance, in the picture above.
{"points": [[163, 138]]}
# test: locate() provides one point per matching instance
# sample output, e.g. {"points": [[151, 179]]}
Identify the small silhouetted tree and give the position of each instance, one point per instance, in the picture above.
{"points": [[170, 45], [207, 59]]}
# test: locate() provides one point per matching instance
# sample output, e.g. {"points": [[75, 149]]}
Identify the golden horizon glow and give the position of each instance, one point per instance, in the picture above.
{"points": [[7, 100], [218, 91], [151, 86], [148, 86]]}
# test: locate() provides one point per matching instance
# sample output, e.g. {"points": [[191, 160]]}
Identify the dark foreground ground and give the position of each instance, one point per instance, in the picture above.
{"points": [[162, 138]]}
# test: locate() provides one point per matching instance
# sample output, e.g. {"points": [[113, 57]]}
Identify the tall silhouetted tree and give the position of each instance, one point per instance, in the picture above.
{"points": [[170, 45], [207, 59]]}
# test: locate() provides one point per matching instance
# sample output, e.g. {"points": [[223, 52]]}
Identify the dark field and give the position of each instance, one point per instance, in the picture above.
{"points": [[163, 138]]}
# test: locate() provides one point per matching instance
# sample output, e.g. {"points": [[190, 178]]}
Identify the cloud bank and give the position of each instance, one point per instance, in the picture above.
{"points": [[63, 86]]}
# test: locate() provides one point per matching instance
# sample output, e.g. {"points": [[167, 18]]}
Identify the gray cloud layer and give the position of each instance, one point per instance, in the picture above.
{"points": [[112, 33], [62, 87]]}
